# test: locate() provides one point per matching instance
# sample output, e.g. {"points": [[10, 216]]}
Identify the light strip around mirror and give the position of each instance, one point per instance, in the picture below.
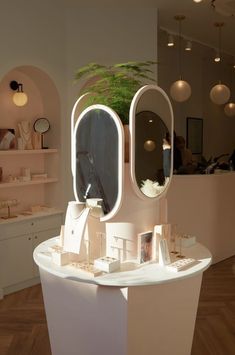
{"points": [[120, 132], [170, 124], [76, 111]]}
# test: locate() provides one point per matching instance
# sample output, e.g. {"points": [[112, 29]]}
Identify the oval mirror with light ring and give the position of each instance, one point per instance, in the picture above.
{"points": [[41, 125], [151, 129], [98, 159]]}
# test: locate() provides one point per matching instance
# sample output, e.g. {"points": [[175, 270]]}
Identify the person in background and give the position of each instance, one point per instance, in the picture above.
{"points": [[166, 146], [187, 165], [232, 161], [177, 155]]}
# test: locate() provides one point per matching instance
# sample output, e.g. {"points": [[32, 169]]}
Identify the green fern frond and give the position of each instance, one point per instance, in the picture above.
{"points": [[115, 85]]}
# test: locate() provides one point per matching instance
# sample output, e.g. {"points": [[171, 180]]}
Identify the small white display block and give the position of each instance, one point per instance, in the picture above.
{"points": [[60, 258], [182, 264], [107, 264]]}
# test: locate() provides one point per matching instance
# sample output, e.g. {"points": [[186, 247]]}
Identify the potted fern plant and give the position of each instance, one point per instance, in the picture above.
{"points": [[115, 86]]}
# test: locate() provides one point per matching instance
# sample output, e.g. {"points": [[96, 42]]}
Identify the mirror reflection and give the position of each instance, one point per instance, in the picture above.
{"points": [[152, 153], [96, 172]]}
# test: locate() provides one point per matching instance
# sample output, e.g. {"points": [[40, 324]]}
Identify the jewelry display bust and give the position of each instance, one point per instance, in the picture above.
{"points": [[25, 134]]}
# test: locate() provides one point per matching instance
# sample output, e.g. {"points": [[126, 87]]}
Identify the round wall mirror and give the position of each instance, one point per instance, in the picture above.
{"points": [[98, 159], [41, 125], [151, 126]]}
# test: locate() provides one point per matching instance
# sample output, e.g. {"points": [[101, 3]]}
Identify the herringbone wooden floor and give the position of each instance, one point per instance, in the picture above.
{"points": [[23, 329]]}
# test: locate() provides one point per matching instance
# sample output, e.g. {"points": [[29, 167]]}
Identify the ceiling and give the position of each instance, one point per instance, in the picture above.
{"points": [[200, 19]]}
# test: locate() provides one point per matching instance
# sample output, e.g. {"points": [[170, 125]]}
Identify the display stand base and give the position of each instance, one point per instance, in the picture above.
{"points": [[87, 319]]}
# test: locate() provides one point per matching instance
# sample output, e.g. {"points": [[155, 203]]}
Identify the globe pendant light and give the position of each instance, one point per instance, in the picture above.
{"points": [[180, 90], [229, 108], [220, 93]]}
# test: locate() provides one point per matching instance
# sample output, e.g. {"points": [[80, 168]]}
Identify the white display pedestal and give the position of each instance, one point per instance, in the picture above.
{"points": [[146, 311]]}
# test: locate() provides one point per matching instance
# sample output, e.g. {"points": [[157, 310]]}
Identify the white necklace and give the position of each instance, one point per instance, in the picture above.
{"points": [[25, 130], [25, 135]]}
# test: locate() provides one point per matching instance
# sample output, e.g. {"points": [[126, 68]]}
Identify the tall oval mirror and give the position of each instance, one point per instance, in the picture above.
{"points": [[151, 127], [98, 159]]}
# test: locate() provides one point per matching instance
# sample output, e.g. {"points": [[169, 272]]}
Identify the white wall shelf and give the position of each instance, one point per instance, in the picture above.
{"points": [[26, 183], [31, 151]]}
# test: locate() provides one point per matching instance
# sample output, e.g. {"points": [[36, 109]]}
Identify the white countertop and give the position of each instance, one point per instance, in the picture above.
{"points": [[21, 216], [130, 274]]}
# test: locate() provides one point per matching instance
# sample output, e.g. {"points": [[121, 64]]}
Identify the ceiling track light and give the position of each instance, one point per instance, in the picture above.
{"points": [[170, 42], [197, 1], [180, 90]]}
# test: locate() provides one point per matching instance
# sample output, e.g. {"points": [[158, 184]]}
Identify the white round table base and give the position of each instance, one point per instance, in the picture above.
{"points": [[86, 319]]}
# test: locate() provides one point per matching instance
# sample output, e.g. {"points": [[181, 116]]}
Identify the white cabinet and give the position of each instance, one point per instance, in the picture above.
{"points": [[17, 242]]}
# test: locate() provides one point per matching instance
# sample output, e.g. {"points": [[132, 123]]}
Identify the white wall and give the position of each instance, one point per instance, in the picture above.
{"points": [[202, 73], [33, 34], [58, 38], [108, 36]]}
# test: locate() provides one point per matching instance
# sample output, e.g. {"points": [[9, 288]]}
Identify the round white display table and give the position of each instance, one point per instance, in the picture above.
{"points": [[140, 310]]}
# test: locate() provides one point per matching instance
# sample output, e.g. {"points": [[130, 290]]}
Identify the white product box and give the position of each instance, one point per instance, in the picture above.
{"points": [[60, 258], [107, 264]]}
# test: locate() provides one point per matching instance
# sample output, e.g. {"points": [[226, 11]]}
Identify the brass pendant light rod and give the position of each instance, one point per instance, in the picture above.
{"points": [[219, 25], [179, 18]]}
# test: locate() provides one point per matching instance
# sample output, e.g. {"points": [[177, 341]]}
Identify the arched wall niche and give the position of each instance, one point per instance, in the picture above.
{"points": [[43, 101]]}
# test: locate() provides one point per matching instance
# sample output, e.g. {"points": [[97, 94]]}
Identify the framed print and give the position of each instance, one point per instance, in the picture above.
{"points": [[7, 139], [194, 139], [145, 247]]}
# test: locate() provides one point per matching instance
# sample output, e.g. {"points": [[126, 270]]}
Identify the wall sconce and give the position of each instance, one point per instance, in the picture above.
{"points": [[170, 42], [19, 98]]}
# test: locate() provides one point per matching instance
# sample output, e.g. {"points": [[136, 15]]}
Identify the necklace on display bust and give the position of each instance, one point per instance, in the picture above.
{"points": [[25, 134], [25, 125]]}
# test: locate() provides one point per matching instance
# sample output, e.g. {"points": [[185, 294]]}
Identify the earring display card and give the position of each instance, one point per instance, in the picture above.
{"points": [[121, 241], [107, 264]]}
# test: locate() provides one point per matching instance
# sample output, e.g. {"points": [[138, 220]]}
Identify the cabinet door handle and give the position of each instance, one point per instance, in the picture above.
{"points": [[29, 238], [36, 237], [32, 224]]}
